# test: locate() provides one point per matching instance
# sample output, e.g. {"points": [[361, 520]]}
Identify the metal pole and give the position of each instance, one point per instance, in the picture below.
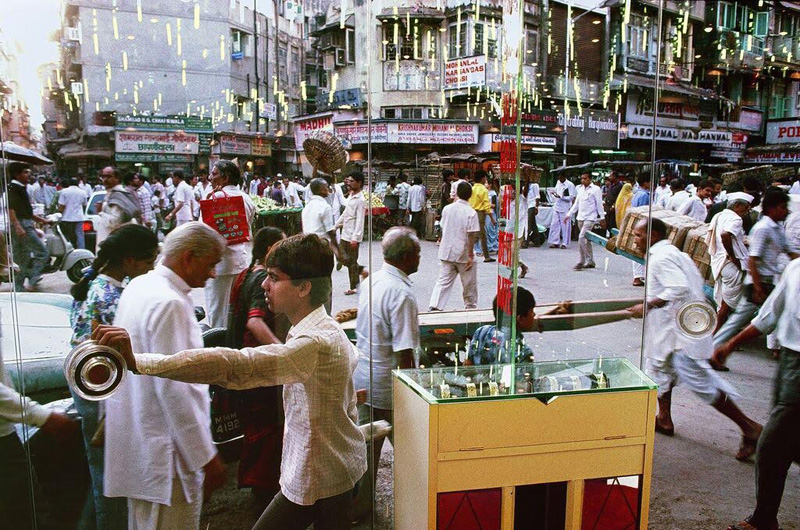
{"points": [[653, 146], [255, 60], [566, 83]]}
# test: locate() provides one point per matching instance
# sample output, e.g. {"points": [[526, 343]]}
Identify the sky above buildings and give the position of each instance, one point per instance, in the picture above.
{"points": [[27, 26]]}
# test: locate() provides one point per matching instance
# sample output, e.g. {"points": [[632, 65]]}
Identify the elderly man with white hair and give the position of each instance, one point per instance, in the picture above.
{"points": [[159, 451], [388, 335]]}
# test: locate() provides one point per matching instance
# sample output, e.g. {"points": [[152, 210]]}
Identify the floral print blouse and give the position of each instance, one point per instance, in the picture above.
{"points": [[100, 306]]}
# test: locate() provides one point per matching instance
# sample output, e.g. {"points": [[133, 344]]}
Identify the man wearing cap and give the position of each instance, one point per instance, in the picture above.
{"points": [[767, 244], [725, 242]]}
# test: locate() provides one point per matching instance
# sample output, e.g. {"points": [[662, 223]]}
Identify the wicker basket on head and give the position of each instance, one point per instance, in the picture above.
{"points": [[325, 152]]}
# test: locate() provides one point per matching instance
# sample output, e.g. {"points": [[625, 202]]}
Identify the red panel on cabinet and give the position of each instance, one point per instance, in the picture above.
{"points": [[469, 510]]}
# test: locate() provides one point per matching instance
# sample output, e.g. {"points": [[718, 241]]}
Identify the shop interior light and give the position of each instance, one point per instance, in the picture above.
{"points": [[714, 73]]}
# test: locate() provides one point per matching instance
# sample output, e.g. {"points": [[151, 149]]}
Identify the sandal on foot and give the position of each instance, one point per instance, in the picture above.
{"points": [[718, 366], [748, 446], [349, 292], [666, 431]]}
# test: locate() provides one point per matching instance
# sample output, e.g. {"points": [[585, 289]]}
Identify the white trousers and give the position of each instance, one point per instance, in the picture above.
{"points": [[145, 515], [638, 270], [584, 245], [217, 293], [560, 232], [448, 271]]}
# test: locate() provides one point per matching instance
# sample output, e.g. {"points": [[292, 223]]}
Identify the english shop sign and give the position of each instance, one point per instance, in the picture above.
{"points": [[783, 132], [672, 134]]}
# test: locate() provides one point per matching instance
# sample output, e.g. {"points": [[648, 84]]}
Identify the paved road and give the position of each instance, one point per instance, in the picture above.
{"points": [[697, 483]]}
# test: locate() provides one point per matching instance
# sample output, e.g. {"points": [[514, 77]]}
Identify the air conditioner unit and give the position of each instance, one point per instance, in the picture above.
{"points": [[328, 61], [341, 60], [72, 34], [77, 88]]}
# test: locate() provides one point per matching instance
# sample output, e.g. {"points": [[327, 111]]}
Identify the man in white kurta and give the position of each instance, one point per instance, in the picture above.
{"points": [[460, 230], [561, 224], [695, 207], [158, 442], [674, 357], [225, 178]]}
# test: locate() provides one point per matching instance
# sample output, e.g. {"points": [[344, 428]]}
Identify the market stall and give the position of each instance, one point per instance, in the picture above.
{"points": [[270, 213]]}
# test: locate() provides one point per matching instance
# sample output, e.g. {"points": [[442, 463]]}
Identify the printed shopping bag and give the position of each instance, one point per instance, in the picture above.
{"points": [[226, 215]]}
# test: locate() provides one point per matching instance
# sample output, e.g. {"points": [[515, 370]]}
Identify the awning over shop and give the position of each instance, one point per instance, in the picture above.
{"points": [[74, 151], [643, 82], [795, 6]]}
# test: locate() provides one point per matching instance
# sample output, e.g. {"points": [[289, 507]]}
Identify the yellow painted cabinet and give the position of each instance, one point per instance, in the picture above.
{"points": [[519, 444]]}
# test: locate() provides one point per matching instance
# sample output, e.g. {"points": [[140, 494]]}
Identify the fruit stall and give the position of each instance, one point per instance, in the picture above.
{"points": [[270, 213]]}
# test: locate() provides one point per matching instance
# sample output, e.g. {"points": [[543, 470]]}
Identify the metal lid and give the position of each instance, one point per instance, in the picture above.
{"points": [[697, 320], [94, 372]]}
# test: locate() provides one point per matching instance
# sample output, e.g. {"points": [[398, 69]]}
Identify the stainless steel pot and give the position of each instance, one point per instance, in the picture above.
{"points": [[94, 372]]}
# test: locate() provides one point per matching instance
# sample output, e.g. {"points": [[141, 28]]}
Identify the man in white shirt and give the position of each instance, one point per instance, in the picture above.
{"points": [[728, 254], [673, 357], [416, 206], [118, 207], [225, 179], [777, 447], [159, 451], [291, 193], [389, 310], [589, 207], [695, 207], [335, 198], [679, 195], [561, 224], [662, 193], [183, 199], [533, 237], [460, 230], [795, 189], [86, 188], [352, 224], [463, 176], [324, 452], [402, 190], [71, 202], [203, 187], [317, 216]]}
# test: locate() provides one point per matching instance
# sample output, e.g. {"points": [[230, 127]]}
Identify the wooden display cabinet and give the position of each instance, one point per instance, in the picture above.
{"points": [[461, 461]]}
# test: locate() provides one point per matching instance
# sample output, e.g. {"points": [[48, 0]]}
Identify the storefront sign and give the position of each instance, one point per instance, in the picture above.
{"points": [[433, 133], [465, 72], [750, 120], [234, 145], [527, 139], [145, 158], [351, 98], [360, 134], [260, 147], [672, 134], [773, 157], [731, 155], [640, 110], [157, 142], [304, 127], [783, 131], [411, 133], [540, 121], [595, 128], [165, 123]]}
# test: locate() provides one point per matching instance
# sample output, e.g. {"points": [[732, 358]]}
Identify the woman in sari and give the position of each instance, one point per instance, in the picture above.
{"points": [[260, 410], [623, 202]]}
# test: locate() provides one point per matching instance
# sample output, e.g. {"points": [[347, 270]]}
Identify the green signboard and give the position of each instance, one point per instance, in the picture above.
{"points": [[165, 123]]}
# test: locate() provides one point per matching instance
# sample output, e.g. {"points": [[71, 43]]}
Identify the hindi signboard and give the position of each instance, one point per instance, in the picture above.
{"points": [[157, 142]]}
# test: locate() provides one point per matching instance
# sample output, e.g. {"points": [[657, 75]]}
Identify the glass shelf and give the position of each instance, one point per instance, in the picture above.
{"points": [[542, 380]]}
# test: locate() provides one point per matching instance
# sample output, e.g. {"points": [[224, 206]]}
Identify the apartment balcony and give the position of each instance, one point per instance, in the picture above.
{"points": [[785, 49]]}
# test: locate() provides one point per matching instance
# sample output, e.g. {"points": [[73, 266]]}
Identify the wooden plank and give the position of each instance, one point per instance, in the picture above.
{"points": [[412, 502], [508, 507], [574, 505]]}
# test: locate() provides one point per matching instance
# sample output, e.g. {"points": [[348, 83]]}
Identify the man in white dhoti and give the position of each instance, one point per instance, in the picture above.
{"points": [[728, 254], [561, 224], [158, 446]]}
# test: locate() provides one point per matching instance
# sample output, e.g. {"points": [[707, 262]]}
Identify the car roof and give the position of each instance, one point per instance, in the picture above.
{"points": [[44, 325]]}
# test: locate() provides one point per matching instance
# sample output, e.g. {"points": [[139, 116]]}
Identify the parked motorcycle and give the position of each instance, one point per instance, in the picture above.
{"points": [[63, 256]]}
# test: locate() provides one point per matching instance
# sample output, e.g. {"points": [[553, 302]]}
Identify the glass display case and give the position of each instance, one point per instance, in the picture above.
{"points": [[543, 380]]}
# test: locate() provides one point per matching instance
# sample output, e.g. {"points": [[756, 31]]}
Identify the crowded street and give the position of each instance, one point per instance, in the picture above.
{"points": [[696, 482]]}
